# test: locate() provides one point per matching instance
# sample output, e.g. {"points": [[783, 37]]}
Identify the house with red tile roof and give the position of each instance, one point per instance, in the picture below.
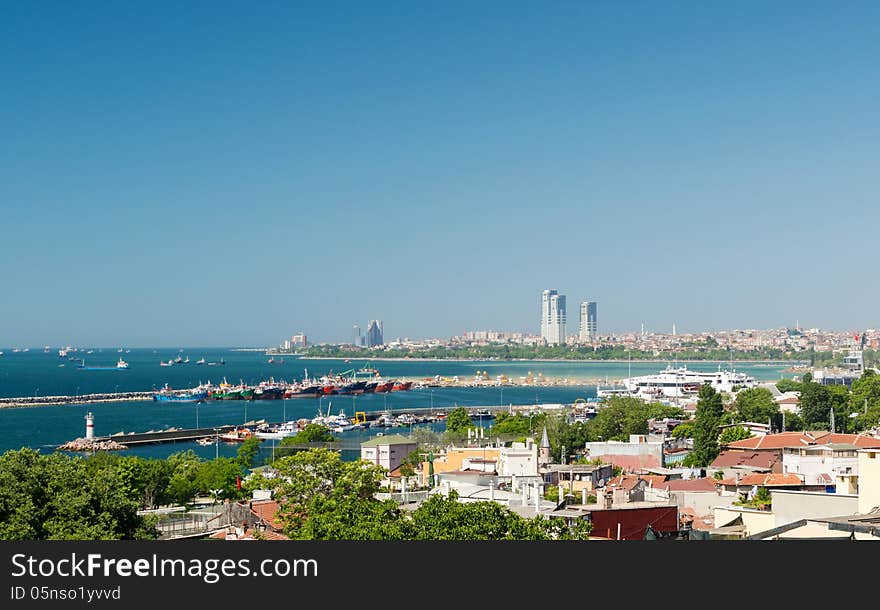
{"points": [[758, 461], [745, 483]]}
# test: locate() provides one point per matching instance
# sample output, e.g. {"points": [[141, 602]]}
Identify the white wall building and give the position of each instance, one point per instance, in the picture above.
{"points": [[821, 464], [520, 459], [388, 451]]}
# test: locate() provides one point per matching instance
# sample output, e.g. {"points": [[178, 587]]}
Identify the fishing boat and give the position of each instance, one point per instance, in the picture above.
{"points": [[384, 386], [400, 386], [167, 394], [353, 387]]}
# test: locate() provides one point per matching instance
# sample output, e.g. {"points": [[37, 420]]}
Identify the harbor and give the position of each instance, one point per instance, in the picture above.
{"points": [[235, 433]]}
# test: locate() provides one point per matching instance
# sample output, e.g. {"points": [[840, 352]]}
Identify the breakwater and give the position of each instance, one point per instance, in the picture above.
{"points": [[79, 399]]}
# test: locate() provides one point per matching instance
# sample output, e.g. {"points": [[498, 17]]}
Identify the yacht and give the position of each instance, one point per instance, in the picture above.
{"points": [[288, 428]]}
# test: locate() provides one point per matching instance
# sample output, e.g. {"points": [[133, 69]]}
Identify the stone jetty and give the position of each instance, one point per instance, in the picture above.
{"points": [[35, 401], [85, 445]]}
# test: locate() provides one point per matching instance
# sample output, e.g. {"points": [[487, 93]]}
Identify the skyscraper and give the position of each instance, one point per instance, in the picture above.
{"points": [[375, 333], [589, 327], [553, 317]]}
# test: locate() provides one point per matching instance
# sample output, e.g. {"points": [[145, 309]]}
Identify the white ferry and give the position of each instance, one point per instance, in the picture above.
{"points": [[683, 383]]}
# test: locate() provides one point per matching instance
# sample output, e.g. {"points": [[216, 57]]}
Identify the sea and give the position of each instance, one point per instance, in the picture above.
{"points": [[34, 372]]}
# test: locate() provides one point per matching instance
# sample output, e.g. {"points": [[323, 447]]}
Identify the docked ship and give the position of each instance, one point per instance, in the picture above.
{"points": [[167, 394], [384, 386], [683, 383], [279, 432]]}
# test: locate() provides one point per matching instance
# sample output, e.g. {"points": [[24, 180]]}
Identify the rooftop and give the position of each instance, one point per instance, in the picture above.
{"points": [[394, 439]]}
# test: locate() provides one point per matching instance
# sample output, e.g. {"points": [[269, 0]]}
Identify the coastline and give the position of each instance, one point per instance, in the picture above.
{"points": [[577, 360]]}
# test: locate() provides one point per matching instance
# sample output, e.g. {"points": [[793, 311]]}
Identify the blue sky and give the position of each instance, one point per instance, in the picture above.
{"points": [[227, 174]]}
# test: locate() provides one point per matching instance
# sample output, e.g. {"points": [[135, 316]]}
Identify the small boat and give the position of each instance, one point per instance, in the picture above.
{"points": [[200, 361], [178, 360], [205, 441], [271, 360], [163, 363], [239, 435]]}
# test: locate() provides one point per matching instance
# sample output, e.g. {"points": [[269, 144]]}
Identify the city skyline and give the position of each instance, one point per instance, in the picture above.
{"points": [[704, 166]]}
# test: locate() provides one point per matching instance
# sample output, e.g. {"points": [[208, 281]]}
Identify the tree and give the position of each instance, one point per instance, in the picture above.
{"points": [[708, 414], [788, 385], [248, 452], [67, 498], [683, 430], [815, 404], [757, 405], [308, 478], [733, 434], [311, 433], [865, 399], [444, 518], [458, 420]]}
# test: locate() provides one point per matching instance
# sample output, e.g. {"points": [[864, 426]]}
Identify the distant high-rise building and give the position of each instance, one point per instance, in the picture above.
{"points": [[553, 317], [358, 337], [589, 327], [375, 333], [299, 340]]}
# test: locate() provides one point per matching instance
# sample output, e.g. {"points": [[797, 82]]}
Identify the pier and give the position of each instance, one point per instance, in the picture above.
{"points": [[191, 434], [79, 399]]}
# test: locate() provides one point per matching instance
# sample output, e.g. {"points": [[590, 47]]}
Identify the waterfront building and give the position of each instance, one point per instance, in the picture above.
{"points": [[375, 333], [299, 340], [553, 317], [589, 327]]}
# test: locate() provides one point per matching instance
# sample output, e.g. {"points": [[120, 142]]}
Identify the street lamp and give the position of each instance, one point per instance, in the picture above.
{"points": [[216, 443]]}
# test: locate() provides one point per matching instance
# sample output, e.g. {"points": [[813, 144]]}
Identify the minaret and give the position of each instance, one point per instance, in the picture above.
{"points": [[544, 455]]}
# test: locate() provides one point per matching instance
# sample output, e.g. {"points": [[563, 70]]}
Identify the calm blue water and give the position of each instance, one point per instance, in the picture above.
{"points": [[27, 373]]}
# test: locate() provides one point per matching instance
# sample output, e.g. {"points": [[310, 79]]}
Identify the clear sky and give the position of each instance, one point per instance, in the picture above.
{"points": [[215, 173]]}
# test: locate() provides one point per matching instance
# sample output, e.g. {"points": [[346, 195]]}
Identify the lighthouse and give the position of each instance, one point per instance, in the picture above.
{"points": [[90, 425]]}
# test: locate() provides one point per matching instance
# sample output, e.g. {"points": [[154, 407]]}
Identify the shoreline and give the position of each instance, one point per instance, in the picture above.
{"points": [[575, 360]]}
